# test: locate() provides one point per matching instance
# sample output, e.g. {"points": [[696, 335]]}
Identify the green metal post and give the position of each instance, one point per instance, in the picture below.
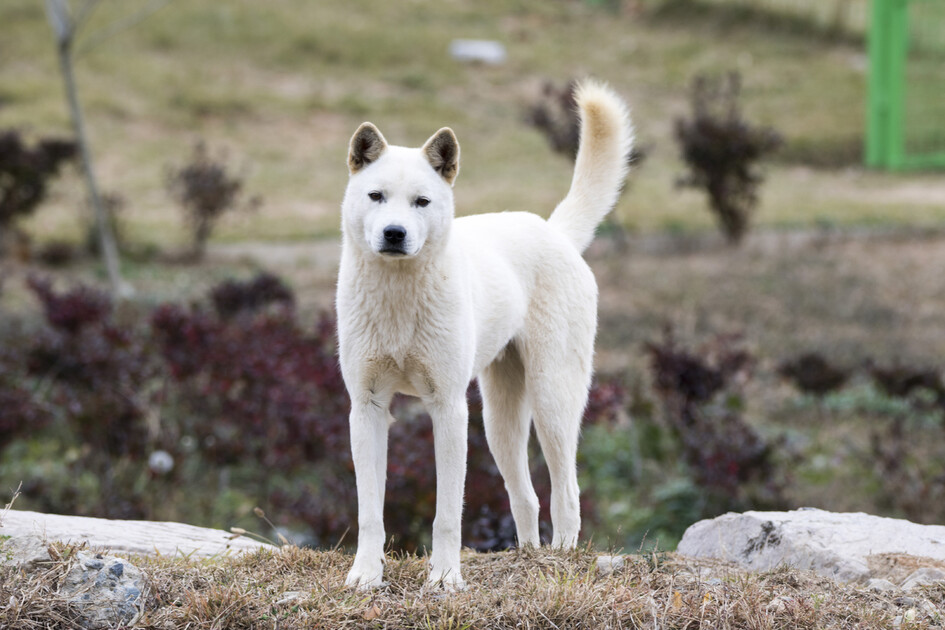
{"points": [[898, 52], [877, 140]]}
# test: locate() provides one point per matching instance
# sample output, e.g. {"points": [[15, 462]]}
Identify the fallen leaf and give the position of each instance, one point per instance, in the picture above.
{"points": [[371, 613]]}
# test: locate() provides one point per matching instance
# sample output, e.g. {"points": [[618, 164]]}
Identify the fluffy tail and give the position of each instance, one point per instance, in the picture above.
{"points": [[601, 164]]}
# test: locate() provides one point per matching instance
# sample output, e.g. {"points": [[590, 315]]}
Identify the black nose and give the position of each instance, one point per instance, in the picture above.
{"points": [[395, 234]]}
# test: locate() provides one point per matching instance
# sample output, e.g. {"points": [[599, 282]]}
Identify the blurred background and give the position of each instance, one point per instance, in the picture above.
{"points": [[771, 331]]}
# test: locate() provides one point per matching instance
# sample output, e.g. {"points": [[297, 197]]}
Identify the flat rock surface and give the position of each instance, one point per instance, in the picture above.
{"points": [[130, 537], [849, 547]]}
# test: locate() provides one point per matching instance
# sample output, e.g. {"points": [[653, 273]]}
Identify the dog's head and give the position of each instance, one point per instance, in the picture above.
{"points": [[399, 201]]}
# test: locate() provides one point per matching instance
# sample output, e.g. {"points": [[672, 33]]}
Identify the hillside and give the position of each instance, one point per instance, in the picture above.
{"points": [[280, 87]]}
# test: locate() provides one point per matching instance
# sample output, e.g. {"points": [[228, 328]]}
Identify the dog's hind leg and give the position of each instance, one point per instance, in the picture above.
{"points": [[558, 355], [557, 423], [507, 421]]}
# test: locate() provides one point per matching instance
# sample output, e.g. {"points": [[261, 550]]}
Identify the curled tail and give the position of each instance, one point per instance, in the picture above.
{"points": [[601, 164]]}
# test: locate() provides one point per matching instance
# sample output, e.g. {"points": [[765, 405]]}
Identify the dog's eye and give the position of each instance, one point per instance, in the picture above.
{"points": [[422, 202], [376, 195]]}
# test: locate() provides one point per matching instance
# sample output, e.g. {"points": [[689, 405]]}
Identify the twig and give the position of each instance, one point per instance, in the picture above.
{"points": [[9, 505]]}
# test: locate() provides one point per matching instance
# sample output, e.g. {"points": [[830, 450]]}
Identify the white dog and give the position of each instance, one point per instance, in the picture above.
{"points": [[427, 302]]}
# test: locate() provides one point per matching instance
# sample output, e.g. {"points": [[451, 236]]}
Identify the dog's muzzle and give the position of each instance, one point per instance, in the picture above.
{"points": [[395, 237]]}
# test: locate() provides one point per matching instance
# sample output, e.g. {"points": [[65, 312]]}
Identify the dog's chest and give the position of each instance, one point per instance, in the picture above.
{"points": [[401, 331]]}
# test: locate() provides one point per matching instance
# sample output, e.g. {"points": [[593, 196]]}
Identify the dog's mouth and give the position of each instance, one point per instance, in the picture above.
{"points": [[392, 251]]}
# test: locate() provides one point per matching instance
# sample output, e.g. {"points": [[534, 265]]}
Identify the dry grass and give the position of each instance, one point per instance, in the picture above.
{"points": [[301, 588]]}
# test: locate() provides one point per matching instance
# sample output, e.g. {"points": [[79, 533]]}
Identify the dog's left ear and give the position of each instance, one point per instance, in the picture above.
{"points": [[442, 152]]}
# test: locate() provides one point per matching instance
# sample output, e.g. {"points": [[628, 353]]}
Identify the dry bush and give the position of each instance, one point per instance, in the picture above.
{"points": [[555, 114], [206, 189], [25, 174], [722, 149]]}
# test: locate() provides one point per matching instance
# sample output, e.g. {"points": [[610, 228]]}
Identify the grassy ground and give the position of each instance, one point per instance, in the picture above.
{"points": [[529, 589], [280, 87]]}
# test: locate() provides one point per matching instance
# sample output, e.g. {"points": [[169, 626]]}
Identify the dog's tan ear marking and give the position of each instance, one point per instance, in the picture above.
{"points": [[442, 151], [367, 144]]}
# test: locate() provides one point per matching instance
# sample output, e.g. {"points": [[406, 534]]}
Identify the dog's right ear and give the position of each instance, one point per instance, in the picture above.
{"points": [[367, 144]]}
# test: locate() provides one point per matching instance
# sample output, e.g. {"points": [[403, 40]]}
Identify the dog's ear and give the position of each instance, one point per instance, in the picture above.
{"points": [[367, 144], [442, 151]]}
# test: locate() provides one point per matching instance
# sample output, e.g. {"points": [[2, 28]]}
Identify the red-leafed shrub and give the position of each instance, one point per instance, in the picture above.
{"points": [[240, 390], [232, 297], [21, 413], [260, 386], [25, 173], [71, 311], [702, 405], [96, 368]]}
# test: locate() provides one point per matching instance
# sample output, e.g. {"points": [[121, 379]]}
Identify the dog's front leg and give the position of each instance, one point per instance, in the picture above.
{"points": [[369, 425], [449, 440]]}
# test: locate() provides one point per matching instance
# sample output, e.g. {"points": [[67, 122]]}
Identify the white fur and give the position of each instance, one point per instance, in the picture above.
{"points": [[504, 297]]}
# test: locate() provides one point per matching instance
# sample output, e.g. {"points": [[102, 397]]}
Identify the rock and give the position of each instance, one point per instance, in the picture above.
{"points": [[478, 50], [105, 591], [779, 604], [836, 545], [879, 585], [131, 537], [606, 565], [923, 577], [27, 552], [907, 617]]}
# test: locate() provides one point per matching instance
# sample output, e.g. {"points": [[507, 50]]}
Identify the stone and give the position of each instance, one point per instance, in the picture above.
{"points": [[129, 537], [879, 585], [779, 604], [105, 591], [923, 577], [836, 545], [606, 565], [478, 50], [28, 552]]}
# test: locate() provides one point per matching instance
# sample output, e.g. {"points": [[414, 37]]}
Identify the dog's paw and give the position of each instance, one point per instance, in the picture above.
{"points": [[449, 581], [363, 577]]}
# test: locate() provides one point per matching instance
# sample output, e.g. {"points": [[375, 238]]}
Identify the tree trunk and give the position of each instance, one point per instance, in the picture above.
{"points": [[108, 247]]}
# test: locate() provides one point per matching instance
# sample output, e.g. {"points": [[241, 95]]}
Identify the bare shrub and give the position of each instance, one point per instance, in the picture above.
{"points": [[206, 189], [722, 150], [555, 114], [25, 174]]}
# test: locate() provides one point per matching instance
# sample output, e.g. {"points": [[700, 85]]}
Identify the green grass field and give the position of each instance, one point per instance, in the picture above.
{"points": [[279, 87]]}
